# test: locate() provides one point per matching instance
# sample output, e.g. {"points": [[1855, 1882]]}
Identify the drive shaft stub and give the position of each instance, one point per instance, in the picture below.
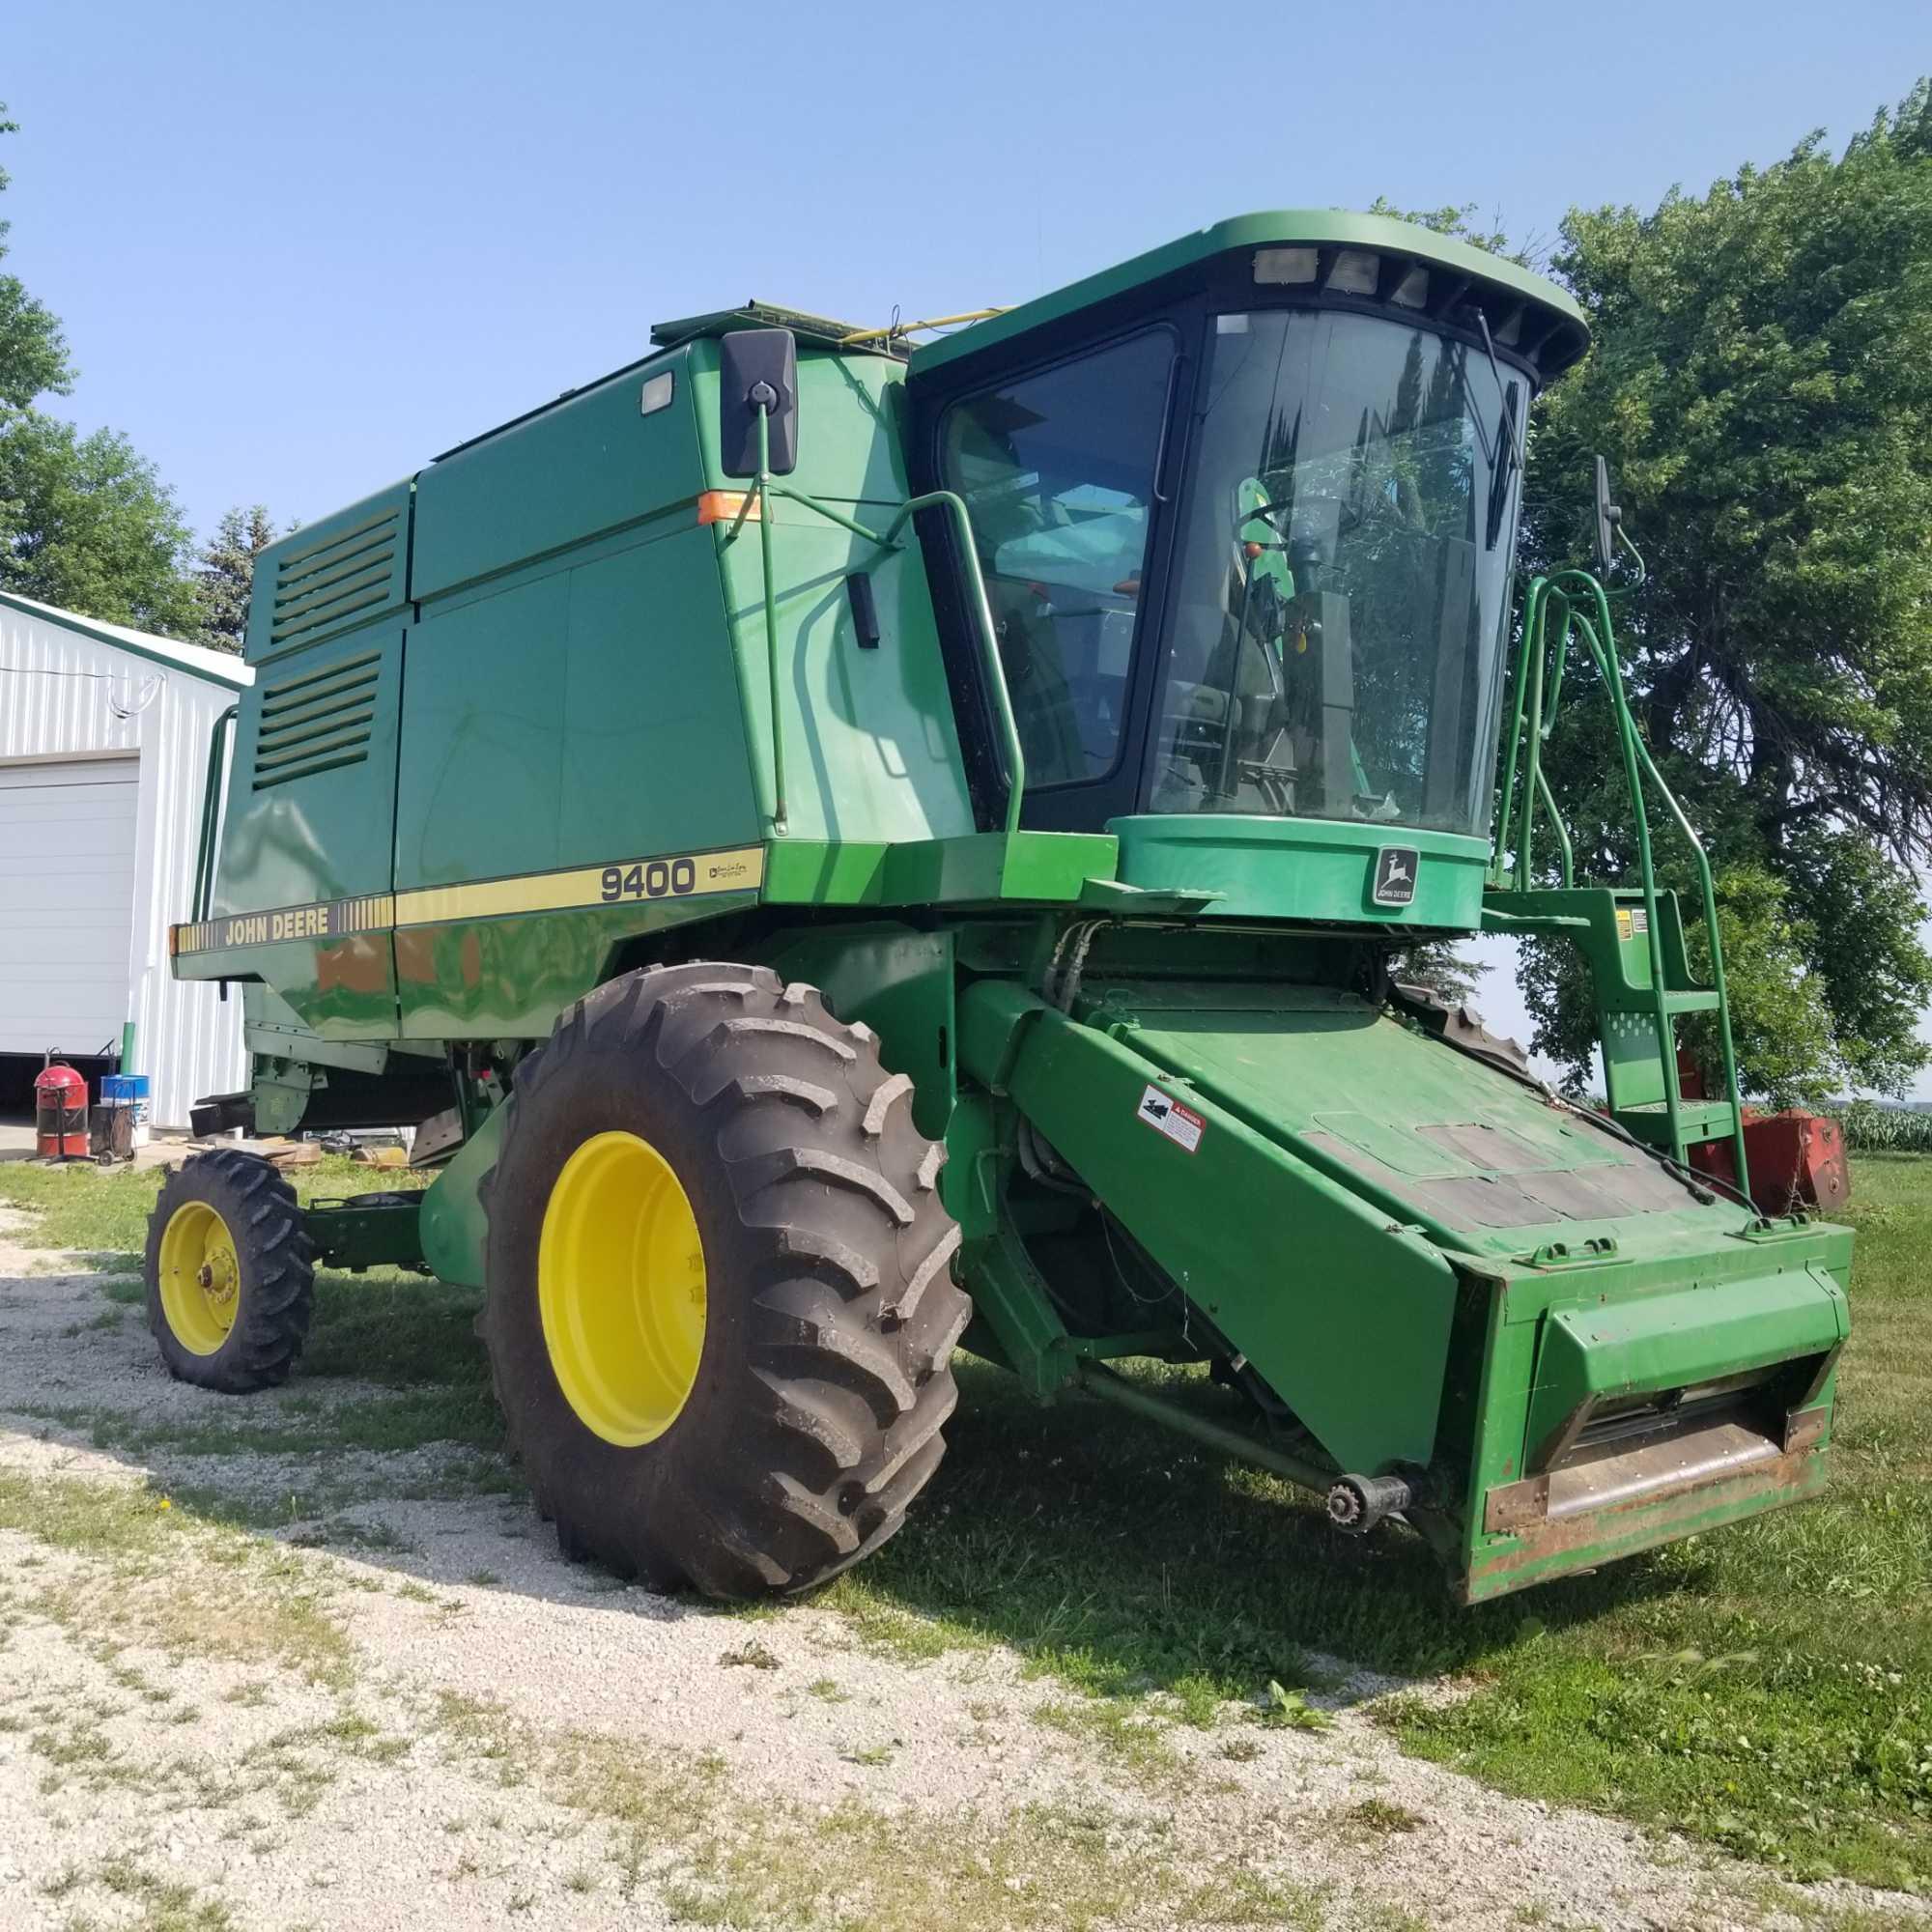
{"points": [[1357, 1503]]}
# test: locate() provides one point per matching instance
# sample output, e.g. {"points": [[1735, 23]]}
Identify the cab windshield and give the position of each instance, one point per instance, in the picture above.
{"points": [[1334, 648]]}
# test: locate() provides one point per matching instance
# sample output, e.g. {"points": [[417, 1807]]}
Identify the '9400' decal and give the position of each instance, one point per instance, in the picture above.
{"points": [[649, 879]]}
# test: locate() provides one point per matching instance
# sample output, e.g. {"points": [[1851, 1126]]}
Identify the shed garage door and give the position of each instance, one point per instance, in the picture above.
{"points": [[67, 903]]}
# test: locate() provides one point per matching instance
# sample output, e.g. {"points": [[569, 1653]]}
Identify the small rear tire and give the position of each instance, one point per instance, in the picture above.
{"points": [[720, 1311], [230, 1273]]}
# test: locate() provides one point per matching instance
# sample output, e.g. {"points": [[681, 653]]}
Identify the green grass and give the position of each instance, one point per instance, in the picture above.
{"points": [[160, 1576], [1765, 1687], [105, 1214], [412, 1337]]}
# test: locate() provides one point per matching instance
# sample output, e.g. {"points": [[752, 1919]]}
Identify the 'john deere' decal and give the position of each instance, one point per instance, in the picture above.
{"points": [[739, 868], [1395, 875]]}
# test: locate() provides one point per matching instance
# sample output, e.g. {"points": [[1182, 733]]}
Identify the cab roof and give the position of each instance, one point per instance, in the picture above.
{"points": [[1527, 314]]}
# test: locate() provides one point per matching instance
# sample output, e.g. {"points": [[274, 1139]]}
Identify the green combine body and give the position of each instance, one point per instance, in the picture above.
{"points": [[830, 842]]}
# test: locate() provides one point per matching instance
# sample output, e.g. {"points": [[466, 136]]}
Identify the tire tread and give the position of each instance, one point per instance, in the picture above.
{"points": [[848, 1333]]}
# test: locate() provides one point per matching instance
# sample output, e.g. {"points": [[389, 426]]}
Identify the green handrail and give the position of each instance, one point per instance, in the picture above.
{"points": [[210, 808], [1012, 756], [1531, 721]]}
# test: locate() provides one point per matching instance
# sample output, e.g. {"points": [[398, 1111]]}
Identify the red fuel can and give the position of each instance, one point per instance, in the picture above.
{"points": [[60, 1114]]}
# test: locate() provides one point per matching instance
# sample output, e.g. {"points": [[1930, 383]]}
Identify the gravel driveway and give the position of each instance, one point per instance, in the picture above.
{"points": [[408, 1712]]}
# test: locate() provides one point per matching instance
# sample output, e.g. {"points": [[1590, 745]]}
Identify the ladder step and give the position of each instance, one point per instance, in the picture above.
{"points": [[1690, 1000], [1676, 1000], [1697, 1121]]}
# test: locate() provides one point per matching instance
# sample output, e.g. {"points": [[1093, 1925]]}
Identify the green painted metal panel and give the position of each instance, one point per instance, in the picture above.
{"points": [[573, 718], [1438, 1138], [310, 817], [1348, 1321], [654, 738], [344, 989], [997, 865], [896, 980], [979, 868], [813, 871], [1677, 1339], [343, 572], [871, 751], [509, 977], [311, 789], [1319, 227], [582, 467], [452, 1226], [480, 789], [1302, 868], [850, 410]]}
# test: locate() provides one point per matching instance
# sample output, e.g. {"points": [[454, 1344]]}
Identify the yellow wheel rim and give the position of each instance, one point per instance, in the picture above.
{"points": [[201, 1277], [620, 1283]]}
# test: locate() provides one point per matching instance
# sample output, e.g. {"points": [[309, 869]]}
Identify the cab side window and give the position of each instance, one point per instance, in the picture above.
{"points": [[1057, 470]]}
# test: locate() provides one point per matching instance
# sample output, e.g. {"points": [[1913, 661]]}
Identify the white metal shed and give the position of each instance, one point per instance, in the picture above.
{"points": [[103, 751]]}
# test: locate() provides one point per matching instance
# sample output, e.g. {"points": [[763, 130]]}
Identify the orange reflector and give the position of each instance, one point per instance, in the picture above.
{"points": [[722, 506]]}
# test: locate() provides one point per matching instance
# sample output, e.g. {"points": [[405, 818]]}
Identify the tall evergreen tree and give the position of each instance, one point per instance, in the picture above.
{"points": [[225, 576]]}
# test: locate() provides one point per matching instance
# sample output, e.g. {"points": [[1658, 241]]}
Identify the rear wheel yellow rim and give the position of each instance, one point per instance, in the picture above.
{"points": [[620, 1286], [200, 1277]]}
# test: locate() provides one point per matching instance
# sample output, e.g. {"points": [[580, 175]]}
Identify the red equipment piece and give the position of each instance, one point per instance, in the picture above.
{"points": [[60, 1114], [1797, 1157], [1797, 1161], [1800, 1153]]}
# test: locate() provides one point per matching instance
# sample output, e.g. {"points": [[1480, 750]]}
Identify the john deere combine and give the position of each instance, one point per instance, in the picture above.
{"points": [[840, 848]]}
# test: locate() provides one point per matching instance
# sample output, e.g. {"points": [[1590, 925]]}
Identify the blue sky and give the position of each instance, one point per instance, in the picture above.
{"points": [[300, 249]]}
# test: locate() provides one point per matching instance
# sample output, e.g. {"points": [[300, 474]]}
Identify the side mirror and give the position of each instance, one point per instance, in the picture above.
{"points": [[1608, 517], [757, 366]]}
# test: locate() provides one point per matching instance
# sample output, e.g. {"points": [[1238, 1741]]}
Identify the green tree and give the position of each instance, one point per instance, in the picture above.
{"points": [[1462, 223], [85, 522], [1762, 386], [33, 352], [1440, 965], [225, 576]]}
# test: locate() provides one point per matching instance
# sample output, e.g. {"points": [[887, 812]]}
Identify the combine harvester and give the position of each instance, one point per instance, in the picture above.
{"points": [[840, 848]]}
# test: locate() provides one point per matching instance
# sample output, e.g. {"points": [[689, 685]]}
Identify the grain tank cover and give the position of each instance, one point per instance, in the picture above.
{"points": [[817, 330]]}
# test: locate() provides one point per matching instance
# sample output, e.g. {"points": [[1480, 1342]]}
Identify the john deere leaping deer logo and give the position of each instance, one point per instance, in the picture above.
{"points": [[1395, 875]]}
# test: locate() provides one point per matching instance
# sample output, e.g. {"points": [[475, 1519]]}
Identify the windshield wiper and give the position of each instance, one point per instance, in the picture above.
{"points": [[1503, 464]]}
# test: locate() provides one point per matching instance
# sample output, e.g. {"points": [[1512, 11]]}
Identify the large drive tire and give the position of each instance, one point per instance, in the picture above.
{"points": [[231, 1273], [721, 1310]]}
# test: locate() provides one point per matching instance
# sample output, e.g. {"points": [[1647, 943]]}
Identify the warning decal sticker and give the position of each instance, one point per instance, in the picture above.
{"points": [[1165, 1115]]}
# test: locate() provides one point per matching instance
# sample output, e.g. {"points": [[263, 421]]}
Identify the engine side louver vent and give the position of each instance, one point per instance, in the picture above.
{"points": [[315, 723], [319, 588]]}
